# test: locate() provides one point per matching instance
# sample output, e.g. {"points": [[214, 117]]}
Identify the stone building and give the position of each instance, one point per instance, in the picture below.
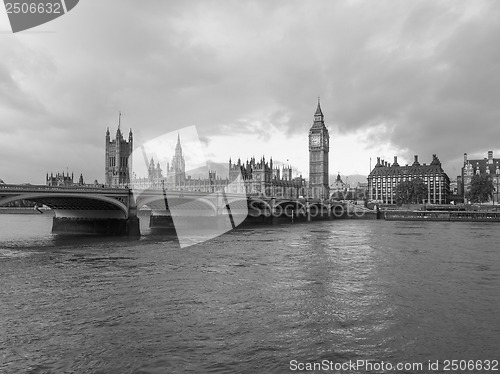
{"points": [[486, 166], [318, 157], [175, 177], [263, 179], [384, 179], [118, 151], [63, 180], [339, 189], [252, 177]]}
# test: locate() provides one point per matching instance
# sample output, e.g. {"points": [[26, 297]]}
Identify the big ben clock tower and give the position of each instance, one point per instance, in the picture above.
{"points": [[318, 157]]}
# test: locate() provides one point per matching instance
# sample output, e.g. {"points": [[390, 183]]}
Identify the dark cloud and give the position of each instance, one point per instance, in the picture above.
{"points": [[424, 73]]}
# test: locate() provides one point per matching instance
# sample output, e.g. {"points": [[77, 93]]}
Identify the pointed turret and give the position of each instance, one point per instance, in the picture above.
{"points": [[318, 110], [319, 122], [178, 148]]}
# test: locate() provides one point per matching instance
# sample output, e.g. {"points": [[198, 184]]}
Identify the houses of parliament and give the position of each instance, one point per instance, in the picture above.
{"points": [[253, 177]]}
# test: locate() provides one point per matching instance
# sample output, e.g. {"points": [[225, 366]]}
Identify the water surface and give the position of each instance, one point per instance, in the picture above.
{"points": [[249, 301]]}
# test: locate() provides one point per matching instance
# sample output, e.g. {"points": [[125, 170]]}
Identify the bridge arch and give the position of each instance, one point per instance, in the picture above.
{"points": [[318, 209], [54, 200], [174, 201]]}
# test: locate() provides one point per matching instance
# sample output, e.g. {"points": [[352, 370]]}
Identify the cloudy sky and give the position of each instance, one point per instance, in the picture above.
{"points": [[395, 77]]}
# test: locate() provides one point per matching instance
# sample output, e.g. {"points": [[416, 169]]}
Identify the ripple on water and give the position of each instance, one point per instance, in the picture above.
{"points": [[12, 253], [250, 300]]}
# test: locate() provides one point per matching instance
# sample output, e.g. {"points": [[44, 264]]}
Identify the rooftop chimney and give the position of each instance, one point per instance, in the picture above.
{"points": [[395, 161], [435, 160], [416, 163], [490, 155]]}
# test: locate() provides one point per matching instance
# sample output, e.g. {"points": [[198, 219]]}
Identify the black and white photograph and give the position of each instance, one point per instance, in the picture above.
{"points": [[249, 186]]}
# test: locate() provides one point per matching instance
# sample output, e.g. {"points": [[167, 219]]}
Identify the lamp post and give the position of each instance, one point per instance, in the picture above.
{"points": [[496, 191], [348, 188]]}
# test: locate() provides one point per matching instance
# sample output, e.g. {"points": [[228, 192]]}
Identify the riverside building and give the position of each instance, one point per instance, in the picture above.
{"points": [[384, 179], [486, 166]]}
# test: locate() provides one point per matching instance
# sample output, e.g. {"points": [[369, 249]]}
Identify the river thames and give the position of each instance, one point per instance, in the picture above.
{"points": [[255, 300]]}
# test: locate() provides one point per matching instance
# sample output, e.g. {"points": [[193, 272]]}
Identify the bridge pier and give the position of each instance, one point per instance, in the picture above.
{"points": [[161, 219], [101, 226], [271, 219], [114, 222]]}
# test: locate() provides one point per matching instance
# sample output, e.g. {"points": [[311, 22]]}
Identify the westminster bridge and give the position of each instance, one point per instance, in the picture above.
{"points": [[114, 211]]}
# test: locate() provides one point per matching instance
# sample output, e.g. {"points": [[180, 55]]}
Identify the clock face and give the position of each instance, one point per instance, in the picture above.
{"points": [[315, 140]]}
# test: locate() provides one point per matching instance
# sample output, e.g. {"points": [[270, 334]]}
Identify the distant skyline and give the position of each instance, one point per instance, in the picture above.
{"points": [[395, 78]]}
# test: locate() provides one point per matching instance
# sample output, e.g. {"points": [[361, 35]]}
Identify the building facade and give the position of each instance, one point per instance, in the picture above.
{"points": [[251, 178], [263, 179], [318, 157], [175, 177], [384, 179], [486, 166], [339, 189], [63, 180], [117, 160]]}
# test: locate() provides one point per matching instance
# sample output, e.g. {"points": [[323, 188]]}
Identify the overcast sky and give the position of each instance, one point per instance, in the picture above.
{"points": [[395, 78]]}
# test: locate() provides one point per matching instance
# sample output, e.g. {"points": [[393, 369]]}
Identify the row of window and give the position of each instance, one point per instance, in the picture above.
{"points": [[395, 183], [399, 179], [123, 161], [478, 172], [392, 192]]}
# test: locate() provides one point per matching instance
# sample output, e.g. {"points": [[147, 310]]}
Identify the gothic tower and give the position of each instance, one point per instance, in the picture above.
{"points": [[176, 171], [116, 164], [318, 157]]}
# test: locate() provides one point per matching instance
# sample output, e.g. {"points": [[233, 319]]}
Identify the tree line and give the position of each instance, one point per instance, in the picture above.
{"points": [[415, 191]]}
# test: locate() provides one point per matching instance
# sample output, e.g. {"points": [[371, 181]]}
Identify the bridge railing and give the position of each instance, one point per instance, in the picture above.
{"points": [[37, 188]]}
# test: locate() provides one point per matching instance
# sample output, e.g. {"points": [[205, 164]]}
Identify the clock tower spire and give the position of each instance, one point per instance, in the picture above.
{"points": [[319, 146]]}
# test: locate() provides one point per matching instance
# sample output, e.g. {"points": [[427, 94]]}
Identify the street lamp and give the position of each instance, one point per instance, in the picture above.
{"points": [[496, 191]]}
